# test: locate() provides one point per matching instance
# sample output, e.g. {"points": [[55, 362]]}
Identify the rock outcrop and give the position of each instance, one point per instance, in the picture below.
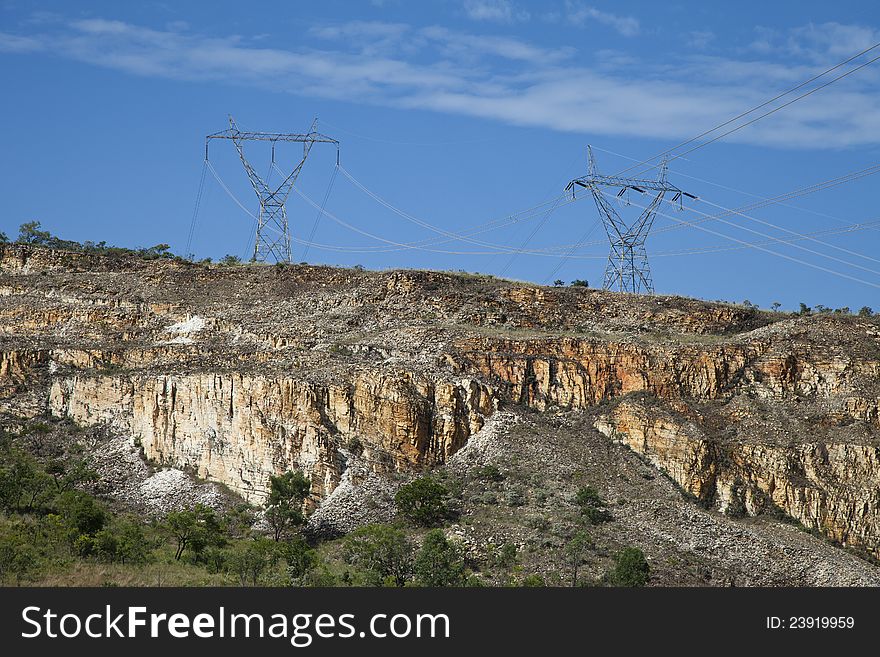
{"points": [[241, 372]]}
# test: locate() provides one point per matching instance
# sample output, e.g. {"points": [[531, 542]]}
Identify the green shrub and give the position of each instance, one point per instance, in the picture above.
{"points": [[630, 568], [533, 580], [382, 554], [592, 506], [287, 494], [423, 501], [489, 473], [439, 562]]}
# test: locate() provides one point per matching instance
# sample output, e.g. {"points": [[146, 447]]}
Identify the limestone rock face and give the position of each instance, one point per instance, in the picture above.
{"points": [[578, 373], [829, 487], [242, 372], [239, 429]]}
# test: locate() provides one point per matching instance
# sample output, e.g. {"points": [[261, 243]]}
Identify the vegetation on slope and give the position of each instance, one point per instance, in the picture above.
{"points": [[56, 530]]}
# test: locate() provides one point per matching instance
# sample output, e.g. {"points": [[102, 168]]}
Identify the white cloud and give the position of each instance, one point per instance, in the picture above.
{"points": [[819, 42], [20, 44], [497, 78], [579, 14], [473, 45], [498, 11], [700, 39]]}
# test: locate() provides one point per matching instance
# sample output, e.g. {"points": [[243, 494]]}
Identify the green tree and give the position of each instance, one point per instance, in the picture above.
{"points": [[81, 513], [300, 558], [575, 553], [4, 239], [382, 553], [194, 529], [249, 559], [287, 493], [804, 309], [865, 311], [506, 556], [69, 473], [24, 486], [124, 541], [439, 561], [18, 557], [229, 259], [630, 568], [775, 306], [592, 506], [579, 282], [157, 251], [559, 282], [423, 501], [30, 233]]}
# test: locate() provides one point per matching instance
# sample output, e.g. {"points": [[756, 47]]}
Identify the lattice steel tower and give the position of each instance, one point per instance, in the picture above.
{"points": [[627, 269], [273, 233]]}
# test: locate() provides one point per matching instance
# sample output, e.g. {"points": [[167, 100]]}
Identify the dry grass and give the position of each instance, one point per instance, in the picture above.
{"points": [[155, 574]]}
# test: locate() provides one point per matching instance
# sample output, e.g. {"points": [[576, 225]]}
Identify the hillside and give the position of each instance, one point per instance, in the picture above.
{"points": [[733, 446]]}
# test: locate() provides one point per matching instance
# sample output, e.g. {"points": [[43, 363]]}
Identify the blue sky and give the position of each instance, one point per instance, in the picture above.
{"points": [[457, 112]]}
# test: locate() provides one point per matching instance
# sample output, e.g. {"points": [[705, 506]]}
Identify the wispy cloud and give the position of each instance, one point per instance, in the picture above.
{"points": [[498, 11], [19, 44], [497, 78], [579, 14], [819, 42], [700, 39]]}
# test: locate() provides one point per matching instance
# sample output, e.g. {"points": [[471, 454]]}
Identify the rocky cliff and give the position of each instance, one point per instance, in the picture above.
{"points": [[241, 372]]}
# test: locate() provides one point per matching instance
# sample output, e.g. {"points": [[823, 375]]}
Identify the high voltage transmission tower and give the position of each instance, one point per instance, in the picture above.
{"points": [[627, 269], [273, 233]]}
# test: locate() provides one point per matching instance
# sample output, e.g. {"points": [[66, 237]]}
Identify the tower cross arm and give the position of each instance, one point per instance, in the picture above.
{"points": [[638, 184], [314, 137]]}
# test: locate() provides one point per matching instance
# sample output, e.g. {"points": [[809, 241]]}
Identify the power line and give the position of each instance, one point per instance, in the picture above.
{"points": [[669, 151], [761, 248], [797, 246], [192, 223], [734, 189], [569, 254], [776, 109], [792, 232], [528, 239], [321, 211]]}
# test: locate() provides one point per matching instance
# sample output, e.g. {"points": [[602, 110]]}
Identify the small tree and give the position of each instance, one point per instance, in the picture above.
{"points": [[804, 309], [775, 306], [229, 259], [81, 513], [575, 553], [156, 251], [300, 558], [579, 282], [592, 506], [506, 556], [250, 559], [30, 233], [865, 311], [630, 568], [382, 553], [3, 238], [423, 501], [18, 558], [287, 493], [439, 562], [132, 545], [194, 529], [559, 282]]}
